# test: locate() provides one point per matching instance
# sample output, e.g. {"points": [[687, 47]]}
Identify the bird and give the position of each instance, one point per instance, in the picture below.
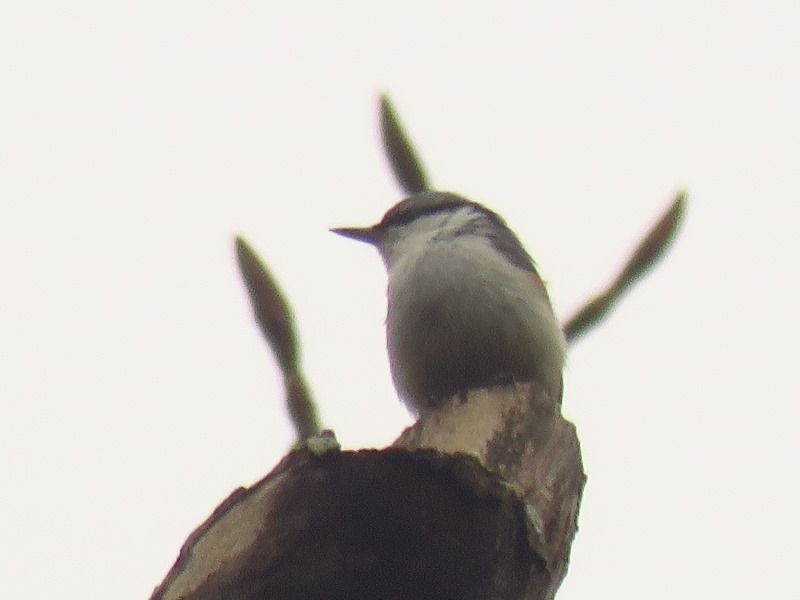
{"points": [[466, 305]]}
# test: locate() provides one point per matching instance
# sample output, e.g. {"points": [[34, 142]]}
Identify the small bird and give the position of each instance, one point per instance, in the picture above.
{"points": [[466, 306]]}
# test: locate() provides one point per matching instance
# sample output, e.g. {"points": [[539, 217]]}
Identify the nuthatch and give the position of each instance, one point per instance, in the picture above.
{"points": [[467, 308]]}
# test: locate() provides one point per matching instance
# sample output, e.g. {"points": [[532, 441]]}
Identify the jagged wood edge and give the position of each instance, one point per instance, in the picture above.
{"points": [[305, 529]]}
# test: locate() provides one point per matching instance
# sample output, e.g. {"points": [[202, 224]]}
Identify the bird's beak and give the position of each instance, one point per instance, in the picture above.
{"points": [[370, 235]]}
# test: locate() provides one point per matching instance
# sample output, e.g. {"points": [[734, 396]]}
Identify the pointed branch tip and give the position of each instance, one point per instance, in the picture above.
{"points": [[403, 159]]}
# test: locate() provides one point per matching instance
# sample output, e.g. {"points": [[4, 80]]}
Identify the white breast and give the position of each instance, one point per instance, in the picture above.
{"points": [[458, 310]]}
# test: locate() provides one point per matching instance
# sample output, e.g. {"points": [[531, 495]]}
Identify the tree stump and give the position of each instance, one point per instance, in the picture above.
{"points": [[477, 500]]}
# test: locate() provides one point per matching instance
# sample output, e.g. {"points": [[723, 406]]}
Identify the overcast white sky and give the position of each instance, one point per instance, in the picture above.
{"points": [[137, 138]]}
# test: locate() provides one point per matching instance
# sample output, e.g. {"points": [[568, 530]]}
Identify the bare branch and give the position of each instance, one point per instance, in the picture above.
{"points": [[405, 163], [643, 258], [274, 318]]}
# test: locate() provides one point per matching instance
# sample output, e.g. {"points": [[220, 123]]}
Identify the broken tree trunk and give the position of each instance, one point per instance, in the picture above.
{"points": [[477, 500]]}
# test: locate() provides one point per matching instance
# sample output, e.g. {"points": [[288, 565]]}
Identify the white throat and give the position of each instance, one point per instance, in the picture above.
{"points": [[412, 239]]}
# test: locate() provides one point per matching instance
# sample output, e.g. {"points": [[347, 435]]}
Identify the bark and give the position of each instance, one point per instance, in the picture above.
{"points": [[478, 500]]}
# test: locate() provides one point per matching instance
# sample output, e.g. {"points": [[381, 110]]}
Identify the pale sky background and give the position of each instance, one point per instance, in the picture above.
{"points": [[137, 138]]}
